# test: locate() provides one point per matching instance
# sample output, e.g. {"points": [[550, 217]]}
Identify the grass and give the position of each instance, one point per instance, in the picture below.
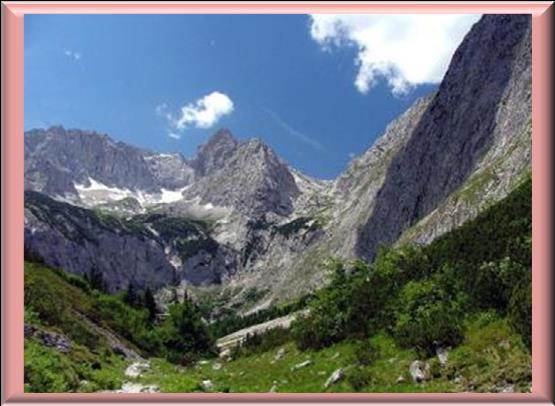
{"points": [[490, 354], [61, 303], [80, 370]]}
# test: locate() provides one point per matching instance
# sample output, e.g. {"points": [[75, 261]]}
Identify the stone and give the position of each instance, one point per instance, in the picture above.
{"points": [[335, 377], [419, 371], [226, 354], [301, 365], [504, 387], [207, 385], [136, 368], [58, 341], [279, 354], [29, 330], [442, 356]]}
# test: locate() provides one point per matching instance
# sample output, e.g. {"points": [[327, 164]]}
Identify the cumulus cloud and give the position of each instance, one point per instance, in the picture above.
{"points": [[76, 56], [203, 113], [404, 49]]}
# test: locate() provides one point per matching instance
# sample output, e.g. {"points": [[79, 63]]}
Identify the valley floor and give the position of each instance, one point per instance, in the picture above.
{"points": [[491, 359]]}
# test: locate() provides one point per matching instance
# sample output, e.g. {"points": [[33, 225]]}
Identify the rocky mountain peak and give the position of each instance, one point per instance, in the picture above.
{"points": [[215, 152], [481, 100]]}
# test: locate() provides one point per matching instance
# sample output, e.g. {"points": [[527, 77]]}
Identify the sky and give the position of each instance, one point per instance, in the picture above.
{"points": [[318, 89]]}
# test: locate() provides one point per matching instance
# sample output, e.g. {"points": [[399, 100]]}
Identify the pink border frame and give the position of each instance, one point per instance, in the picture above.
{"points": [[12, 190]]}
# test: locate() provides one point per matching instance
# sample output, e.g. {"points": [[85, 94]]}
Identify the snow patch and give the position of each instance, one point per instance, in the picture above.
{"points": [[98, 193], [170, 196]]}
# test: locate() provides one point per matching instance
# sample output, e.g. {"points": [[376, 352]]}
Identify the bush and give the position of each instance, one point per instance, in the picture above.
{"points": [[428, 315], [46, 370], [520, 309], [358, 301], [359, 378], [184, 334], [366, 353]]}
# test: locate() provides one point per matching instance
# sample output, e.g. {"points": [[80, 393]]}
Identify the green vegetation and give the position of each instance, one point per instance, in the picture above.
{"points": [[293, 227], [60, 303], [422, 295], [370, 365], [469, 291], [227, 325]]}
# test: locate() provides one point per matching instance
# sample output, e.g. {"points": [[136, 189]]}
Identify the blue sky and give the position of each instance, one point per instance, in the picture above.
{"points": [[312, 87]]}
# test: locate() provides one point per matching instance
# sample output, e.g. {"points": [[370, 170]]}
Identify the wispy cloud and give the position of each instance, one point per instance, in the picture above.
{"points": [[295, 133], [204, 113], [75, 56], [406, 50]]}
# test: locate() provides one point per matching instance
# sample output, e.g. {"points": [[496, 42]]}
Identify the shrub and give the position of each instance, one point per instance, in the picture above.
{"points": [[428, 315], [520, 309], [366, 353], [185, 335], [359, 378], [46, 370]]}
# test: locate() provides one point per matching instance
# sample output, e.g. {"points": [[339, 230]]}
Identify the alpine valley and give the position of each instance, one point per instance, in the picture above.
{"points": [[408, 272]]}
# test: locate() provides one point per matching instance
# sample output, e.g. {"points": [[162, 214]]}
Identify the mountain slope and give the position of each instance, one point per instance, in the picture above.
{"points": [[270, 228], [483, 102]]}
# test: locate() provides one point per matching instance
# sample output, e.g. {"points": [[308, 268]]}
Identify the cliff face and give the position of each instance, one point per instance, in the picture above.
{"points": [[240, 220], [482, 103]]}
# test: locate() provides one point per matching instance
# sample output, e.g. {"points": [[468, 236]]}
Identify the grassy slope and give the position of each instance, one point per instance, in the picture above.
{"points": [[490, 353], [51, 303]]}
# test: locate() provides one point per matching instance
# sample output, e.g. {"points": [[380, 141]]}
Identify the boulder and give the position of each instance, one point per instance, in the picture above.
{"points": [[58, 341], [420, 371], [442, 356], [136, 368]]}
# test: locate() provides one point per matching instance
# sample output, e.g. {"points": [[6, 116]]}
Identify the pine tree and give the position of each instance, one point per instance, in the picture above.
{"points": [[150, 304], [131, 297], [96, 279]]}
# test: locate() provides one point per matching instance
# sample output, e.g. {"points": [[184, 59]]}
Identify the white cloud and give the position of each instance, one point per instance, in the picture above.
{"points": [[203, 113], [76, 56], [404, 49]]}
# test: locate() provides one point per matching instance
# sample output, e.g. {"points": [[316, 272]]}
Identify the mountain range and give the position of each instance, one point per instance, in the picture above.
{"points": [[238, 226]]}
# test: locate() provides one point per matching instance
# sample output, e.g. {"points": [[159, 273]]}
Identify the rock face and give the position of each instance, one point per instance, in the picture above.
{"points": [[249, 177], [48, 338], [56, 157], [215, 153], [151, 250], [481, 101], [237, 216]]}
